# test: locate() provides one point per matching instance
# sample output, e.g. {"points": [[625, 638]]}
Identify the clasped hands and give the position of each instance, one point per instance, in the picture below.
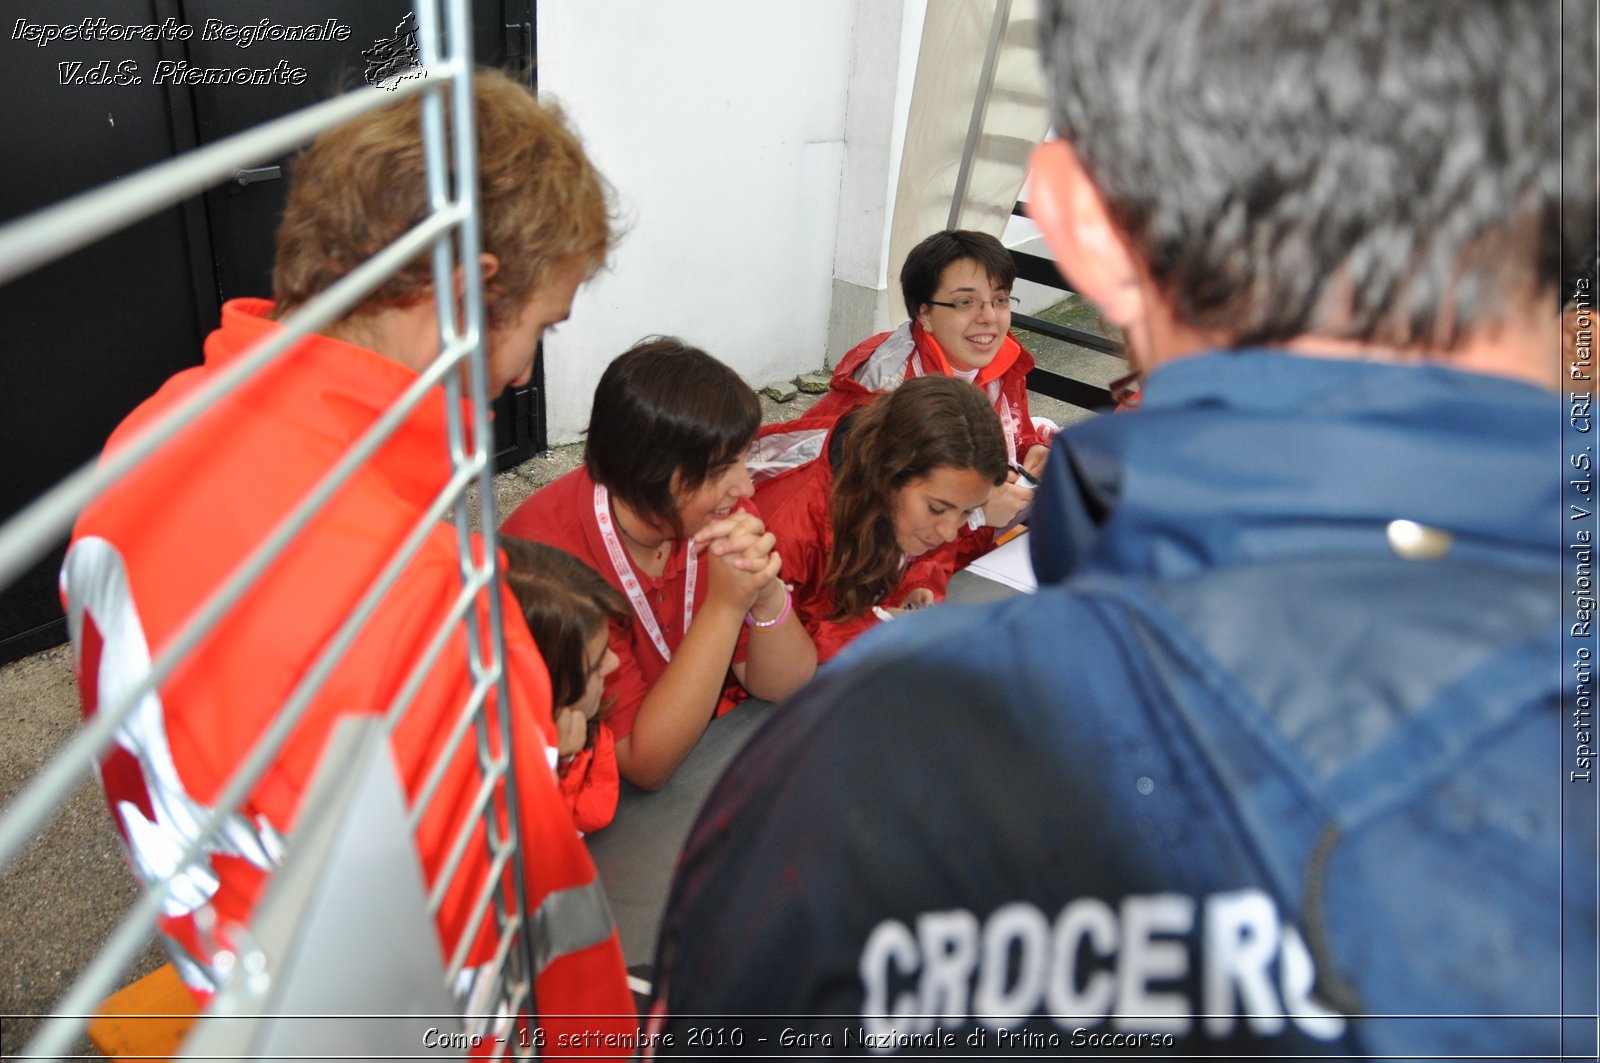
{"points": [[743, 563]]}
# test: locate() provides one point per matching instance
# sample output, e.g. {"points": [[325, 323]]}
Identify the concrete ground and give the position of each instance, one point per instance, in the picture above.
{"points": [[67, 892]]}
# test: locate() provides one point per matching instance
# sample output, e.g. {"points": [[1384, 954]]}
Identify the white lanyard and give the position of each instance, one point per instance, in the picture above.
{"points": [[1008, 419], [630, 582]]}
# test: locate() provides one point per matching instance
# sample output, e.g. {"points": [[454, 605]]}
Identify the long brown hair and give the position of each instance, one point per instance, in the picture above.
{"points": [[927, 423], [566, 603]]}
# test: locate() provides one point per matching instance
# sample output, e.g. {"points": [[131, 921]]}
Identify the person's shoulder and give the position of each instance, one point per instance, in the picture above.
{"points": [[562, 488], [432, 576], [858, 354], [172, 391], [793, 489], [795, 511], [554, 510]]}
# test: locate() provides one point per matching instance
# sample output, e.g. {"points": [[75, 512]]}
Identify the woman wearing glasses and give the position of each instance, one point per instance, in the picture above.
{"points": [[957, 289]]}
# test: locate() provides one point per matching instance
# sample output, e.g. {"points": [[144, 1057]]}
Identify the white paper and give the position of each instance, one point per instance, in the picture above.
{"points": [[1011, 564]]}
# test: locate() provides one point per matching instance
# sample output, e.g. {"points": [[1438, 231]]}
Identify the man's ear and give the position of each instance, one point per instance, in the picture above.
{"points": [[487, 262], [1091, 251]]}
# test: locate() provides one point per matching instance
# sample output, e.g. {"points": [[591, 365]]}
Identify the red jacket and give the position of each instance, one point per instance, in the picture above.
{"points": [[590, 785], [151, 549], [884, 361], [796, 508]]}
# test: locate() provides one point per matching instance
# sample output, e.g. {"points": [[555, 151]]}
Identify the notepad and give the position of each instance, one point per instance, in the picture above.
{"points": [[1010, 564]]}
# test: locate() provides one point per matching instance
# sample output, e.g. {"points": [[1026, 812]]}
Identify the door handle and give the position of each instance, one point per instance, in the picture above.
{"points": [[260, 173]]}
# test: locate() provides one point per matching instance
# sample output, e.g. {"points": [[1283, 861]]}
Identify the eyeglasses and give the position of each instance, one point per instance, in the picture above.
{"points": [[966, 304]]}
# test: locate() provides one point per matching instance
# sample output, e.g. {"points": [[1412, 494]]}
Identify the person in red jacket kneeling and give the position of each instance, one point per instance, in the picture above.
{"points": [[956, 287], [869, 528]]}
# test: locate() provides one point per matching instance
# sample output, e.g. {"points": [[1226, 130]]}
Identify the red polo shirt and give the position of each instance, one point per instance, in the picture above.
{"points": [[562, 515]]}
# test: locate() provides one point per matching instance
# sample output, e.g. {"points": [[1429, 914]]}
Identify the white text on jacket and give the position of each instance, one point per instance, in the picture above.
{"points": [[1095, 962]]}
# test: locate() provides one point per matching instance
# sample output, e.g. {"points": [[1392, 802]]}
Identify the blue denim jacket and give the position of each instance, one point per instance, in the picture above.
{"points": [[1248, 772]]}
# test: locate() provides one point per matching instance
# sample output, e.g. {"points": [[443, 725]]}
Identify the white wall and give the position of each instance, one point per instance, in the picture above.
{"points": [[721, 125], [883, 65]]}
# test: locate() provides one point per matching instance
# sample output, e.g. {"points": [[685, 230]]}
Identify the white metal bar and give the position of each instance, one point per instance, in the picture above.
{"points": [[30, 534], [57, 231], [451, 270], [132, 934], [466, 191], [490, 782], [478, 382], [486, 896], [980, 107], [45, 791]]}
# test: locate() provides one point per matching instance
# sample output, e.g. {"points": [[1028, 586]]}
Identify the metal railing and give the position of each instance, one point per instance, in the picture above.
{"points": [[1050, 382], [1034, 268], [451, 232]]}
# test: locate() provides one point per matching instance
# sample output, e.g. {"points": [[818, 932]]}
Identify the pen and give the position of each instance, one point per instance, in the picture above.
{"points": [[1023, 474], [1012, 534]]}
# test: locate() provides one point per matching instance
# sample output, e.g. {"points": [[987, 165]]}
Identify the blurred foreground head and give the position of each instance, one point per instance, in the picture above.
{"points": [[1380, 171], [358, 187]]}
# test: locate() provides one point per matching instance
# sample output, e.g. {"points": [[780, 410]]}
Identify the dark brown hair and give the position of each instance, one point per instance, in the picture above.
{"points": [[361, 185], [927, 423], [663, 407], [566, 603], [919, 277]]}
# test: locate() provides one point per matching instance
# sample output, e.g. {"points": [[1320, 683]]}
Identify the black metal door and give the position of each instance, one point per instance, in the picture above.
{"points": [[84, 340]]}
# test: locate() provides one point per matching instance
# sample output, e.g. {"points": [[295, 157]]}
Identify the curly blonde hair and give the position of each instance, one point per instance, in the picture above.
{"points": [[358, 187]]}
